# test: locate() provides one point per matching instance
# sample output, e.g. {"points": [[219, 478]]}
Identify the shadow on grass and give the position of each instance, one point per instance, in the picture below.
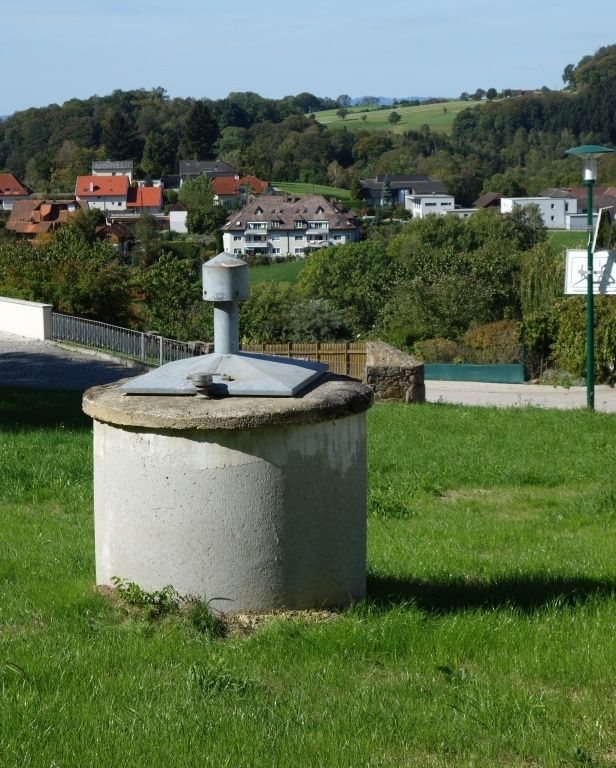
{"points": [[525, 593], [25, 409]]}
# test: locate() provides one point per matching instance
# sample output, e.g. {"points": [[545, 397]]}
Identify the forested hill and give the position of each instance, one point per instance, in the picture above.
{"points": [[513, 145]]}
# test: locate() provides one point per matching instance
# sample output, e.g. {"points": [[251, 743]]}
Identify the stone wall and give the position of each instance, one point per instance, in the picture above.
{"points": [[394, 375]]}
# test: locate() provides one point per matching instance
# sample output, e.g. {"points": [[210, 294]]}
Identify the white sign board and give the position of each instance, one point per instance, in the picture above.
{"points": [[604, 273]]}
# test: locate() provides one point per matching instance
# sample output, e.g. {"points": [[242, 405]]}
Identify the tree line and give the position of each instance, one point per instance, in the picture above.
{"points": [[510, 145]]}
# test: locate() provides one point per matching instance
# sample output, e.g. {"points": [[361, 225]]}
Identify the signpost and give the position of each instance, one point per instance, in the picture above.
{"points": [[589, 153]]}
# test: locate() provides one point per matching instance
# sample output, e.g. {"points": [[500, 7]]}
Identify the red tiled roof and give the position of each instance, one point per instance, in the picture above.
{"points": [[11, 187], [230, 186], [101, 186], [145, 197]]}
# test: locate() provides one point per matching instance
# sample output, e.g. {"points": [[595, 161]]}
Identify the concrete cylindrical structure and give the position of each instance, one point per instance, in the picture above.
{"points": [[252, 503]]}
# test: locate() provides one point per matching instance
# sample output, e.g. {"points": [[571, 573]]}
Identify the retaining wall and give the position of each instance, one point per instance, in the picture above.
{"points": [[25, 318]]}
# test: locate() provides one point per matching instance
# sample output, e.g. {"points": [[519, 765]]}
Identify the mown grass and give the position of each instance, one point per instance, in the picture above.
{"points": [[276, 272], [487, 637], [439, 117], [567, 239], [304, 188]]}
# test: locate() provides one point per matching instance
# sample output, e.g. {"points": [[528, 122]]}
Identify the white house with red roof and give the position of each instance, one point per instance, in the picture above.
{"points": [[114, 194], [236, 192], [11, 190], [107, 193]]}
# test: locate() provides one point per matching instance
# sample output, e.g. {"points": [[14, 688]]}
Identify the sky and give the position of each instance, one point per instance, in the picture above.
{"points": [[54, 51]]}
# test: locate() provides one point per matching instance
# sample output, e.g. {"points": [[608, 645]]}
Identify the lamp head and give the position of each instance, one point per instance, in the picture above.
{"points": [[589, 154]]}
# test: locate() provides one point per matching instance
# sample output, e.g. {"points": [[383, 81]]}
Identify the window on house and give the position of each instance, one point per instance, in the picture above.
{"points": [[237, 237], [299, 237], [237, 251]]}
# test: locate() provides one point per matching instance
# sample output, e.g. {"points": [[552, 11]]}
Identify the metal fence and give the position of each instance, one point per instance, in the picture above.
{"points": [[149, 348]]}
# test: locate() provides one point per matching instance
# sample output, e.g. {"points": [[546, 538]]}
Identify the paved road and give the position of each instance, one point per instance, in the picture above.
{"points": [[44, 365]]}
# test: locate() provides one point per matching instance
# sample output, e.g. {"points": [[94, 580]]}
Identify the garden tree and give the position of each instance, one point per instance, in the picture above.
{"points": [[147, 235], [173, 299], [196, 193], [394, 118], [342, 113], [491, 93], [158, 155], [119, 136], [86, 222], [77, 278], [387, 198], [204, 217], [200, 132], [344, 100], [316, 320], [356, 190], [264, 316], [357, 278]]}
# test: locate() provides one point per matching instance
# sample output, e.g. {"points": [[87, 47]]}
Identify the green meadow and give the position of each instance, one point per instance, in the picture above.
{"points": [[439, 117], [486, 637], [304, 188]]}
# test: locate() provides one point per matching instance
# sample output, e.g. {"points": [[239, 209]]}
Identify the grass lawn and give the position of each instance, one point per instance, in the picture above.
{"points": [[297, 188], [439, 117], [282, 272], [487, 638], [566, 239]]}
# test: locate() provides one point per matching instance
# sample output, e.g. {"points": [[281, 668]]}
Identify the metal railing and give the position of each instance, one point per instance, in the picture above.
{"points": [[149, 348]]}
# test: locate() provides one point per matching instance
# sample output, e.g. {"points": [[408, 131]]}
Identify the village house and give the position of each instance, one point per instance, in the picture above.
{"points": [[401, 186], [213, 169], [275, 225], [114, 194], [11, 191], [233, 192], [113, 168], [36, 217]]}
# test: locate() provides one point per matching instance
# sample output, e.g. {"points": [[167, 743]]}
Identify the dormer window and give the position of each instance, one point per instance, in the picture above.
{"points": [[259, 211], [320, 210]]}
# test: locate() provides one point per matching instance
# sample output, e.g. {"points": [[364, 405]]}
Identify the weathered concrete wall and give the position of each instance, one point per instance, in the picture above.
{"points": [[25, 318], [249, 519], [253, 503], [394, 375]]}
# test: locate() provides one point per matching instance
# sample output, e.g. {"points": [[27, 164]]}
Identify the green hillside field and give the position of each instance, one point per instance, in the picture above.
{"points": [[439, 117]]}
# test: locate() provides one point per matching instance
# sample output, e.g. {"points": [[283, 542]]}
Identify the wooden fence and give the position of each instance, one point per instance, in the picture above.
{"points": [[347, 358]]}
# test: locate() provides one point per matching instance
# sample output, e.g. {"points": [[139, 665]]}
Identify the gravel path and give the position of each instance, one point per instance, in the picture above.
{"points": [[45, 365]]}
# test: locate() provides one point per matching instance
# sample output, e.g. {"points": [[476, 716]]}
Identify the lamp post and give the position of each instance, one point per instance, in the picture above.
{"points": [[589, 154]]}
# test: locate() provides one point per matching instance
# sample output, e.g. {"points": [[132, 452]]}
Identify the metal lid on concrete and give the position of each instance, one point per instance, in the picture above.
{"points": [[242, 374], [330, 397]]}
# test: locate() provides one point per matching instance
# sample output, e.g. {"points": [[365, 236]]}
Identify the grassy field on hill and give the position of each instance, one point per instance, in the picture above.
{"points": [[297, 188], [487, 637], [439, 117]]}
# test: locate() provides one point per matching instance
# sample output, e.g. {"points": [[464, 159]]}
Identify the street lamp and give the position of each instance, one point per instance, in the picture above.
{"points": [[589, 153]]}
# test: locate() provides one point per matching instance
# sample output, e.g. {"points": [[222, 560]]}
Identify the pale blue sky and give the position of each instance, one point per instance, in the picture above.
{"points": [[53, 51]]}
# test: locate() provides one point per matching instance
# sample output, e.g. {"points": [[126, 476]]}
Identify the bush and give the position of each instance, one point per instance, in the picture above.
{"points": [[557, 338], [493, 343], [439, 351]]}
